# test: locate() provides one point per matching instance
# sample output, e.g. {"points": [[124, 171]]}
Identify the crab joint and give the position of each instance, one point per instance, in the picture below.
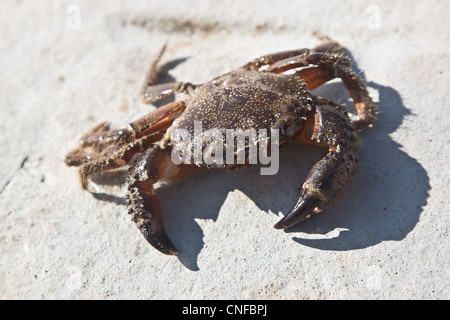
{"points": [[241, 147]]}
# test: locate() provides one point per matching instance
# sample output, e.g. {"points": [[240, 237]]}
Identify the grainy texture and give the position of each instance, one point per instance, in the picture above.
{"points": [[386, 238]]}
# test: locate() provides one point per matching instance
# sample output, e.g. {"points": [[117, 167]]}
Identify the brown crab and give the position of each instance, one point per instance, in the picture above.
{"points": [[261, 91]]}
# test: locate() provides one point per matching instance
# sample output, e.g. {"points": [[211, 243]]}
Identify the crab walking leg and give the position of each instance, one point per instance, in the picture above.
{"points": [[327, 52], [331, 63], [143, 204], [151, 91], [363, 102], [151, 75], [310, 58], [93, 138], [328, 45], [115, 148], [162, 117], [99, 140], [316, 76], [158, 119], [355, 85], [96, 131], [91, 163], [110, 158], [270, 59], [331, 175], [160, 91]]}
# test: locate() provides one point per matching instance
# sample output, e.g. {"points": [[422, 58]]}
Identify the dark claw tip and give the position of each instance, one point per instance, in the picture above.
{"points": [[157, 237], [303, 209], [278, 225]]}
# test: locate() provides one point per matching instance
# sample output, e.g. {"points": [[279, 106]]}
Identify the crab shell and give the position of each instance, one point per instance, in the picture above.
{"points": [[243, 100]]}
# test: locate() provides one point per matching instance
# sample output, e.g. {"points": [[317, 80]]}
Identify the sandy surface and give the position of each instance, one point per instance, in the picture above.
{"points": [[69, 65]]}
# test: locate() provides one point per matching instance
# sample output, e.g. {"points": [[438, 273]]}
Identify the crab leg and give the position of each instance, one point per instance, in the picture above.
{"points": [[115, 148], [290, 57], [328, 45], [316, 76], [151, 76], [330, 176], [330, 63], [330, 66], [270, 59], [143, 204], [157, 120], [363, 102], [151, 91], [310, 58]]}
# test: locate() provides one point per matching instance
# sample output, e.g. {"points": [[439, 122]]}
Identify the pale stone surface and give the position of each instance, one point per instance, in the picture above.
{"points": [[386, 238]]}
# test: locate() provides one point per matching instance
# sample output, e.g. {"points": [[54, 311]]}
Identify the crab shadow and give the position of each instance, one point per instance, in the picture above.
{"points": [[387, 195], [390, 188]]}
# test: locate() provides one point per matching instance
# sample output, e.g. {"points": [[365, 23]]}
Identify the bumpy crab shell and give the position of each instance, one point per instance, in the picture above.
{"points": [[258, 95]]}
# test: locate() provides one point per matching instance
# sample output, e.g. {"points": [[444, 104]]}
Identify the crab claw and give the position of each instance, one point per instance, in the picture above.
{"points": [[325, 182], [154, 233], [143, 204], [307, 205], [146, 212]]}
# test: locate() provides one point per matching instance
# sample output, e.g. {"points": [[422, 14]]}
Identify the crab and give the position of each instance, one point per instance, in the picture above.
{"points": [[274, 92]]}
